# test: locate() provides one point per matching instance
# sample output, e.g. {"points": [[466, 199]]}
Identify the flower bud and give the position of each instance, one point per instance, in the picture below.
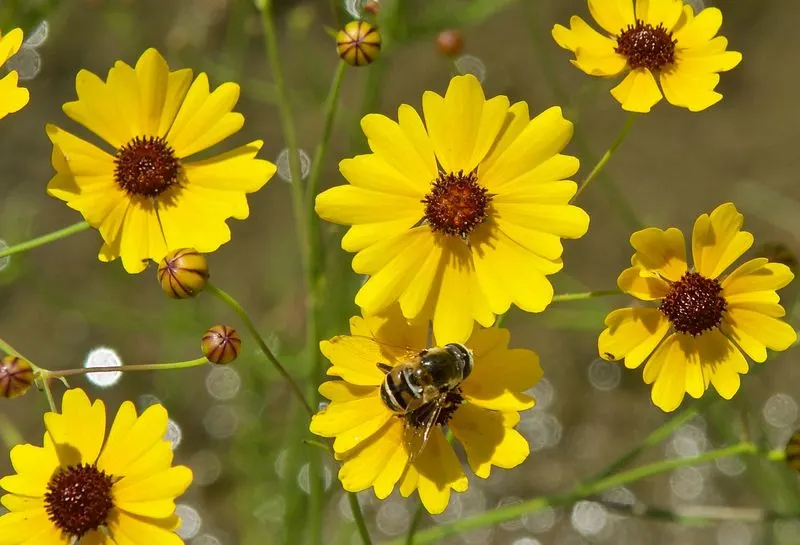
{"points": [[183, 273], [16, 376], [221, 344], [358, 43], [450, 42], [372, 7]]}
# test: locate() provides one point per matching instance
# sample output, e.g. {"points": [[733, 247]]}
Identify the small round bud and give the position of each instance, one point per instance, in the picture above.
{"points": [[221, 344], [16, 376], [183, 273], [450, 42], [358, 43], [372, 7]]}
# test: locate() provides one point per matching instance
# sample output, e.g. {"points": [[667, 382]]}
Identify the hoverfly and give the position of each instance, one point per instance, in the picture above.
{"points": [[421, 387]]}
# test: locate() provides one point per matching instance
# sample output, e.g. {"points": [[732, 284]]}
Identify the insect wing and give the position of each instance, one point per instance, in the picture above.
{"points": [[415, 438], [369, 346]]}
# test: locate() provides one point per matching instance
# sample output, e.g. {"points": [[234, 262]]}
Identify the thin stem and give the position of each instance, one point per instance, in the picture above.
{"points": [[248, 323], [45, 239], [8, 349], [585, 295], [359, 518], [287, 124], [331, 107], [412, 527], [626, 127], [48, 393], [700, 514], [129, 368], [584, 490]]}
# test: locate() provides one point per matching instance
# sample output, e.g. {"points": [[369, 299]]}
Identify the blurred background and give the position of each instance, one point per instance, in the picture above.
{"points": [[238, 427]]}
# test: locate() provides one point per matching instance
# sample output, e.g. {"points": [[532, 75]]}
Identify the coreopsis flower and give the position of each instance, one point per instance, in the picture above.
{"points": [[371, 439], [12, 97], [705, 318], [462, 216], [649, 39], [83, 486], [145, 197]]}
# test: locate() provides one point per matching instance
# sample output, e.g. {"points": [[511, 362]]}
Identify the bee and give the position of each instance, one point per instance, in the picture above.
{"points": [[423, 388]]}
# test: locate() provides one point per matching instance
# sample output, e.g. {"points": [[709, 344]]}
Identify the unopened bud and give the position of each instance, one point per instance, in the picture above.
{"points": [[221, 344], [358, 43], [450, 42], [183, 273], [16, 376], [372, 7]]}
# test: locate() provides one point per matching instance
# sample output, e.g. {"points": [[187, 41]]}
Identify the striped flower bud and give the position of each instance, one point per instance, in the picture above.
{"points": [[358, 43], [221, 344], [16, 376], [183, 273]]}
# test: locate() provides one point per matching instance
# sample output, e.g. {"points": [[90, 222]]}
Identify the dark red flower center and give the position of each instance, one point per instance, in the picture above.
{"points": [[78, 499], [646, 46], [694, 304], [456, 204], [146, 166]]}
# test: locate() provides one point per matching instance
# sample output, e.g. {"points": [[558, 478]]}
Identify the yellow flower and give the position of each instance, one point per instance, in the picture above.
{"points": [[76, 487], [12, 98], [660, 38], [144, 197], [708, 318], [481, 412], [460, 217]]}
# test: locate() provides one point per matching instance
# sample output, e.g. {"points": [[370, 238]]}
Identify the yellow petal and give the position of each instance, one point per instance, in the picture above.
{"points": [[82, 158], [638, 92], [635, 281], [97, 109], [509, 273], [417, 296], [688, 89], [78, 432], [517, 118], [152, 73], [127, 529], [756, 275], [359, 237], [754, 332], [542, 138], [563, 220], [393, 266], [608, 65], [12, 502], [12, 98], [97, 537], [699, 30], [613, 15], [581, 35], [659, 12], [663, 252], [35, 465], [486, 440], [376, 461], [178, 84], [707, 355], [10, 43], [29, 528], [152, 495], [403, 146], [205, 118], [348, 205], [231, 173], [351, 422], [456, 122], [376, 173], [393, 332], [459, 297], [437, 471], [667, 370], [718, 241], [132, 437], [632, 334], [500, 377]]}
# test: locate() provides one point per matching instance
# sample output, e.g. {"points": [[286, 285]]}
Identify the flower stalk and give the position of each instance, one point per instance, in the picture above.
{"points": [[45, 239], [626, 127]]}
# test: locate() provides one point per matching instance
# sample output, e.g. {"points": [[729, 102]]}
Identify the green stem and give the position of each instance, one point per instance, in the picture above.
{"points": [[331, 107], [626, 127], [585, 295], [48, 394], [359, 518], [701, 514], [248, 323], [45, 239], [591, 488], [412, 527], [8, 349], [128, 368], [288, 128]]}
